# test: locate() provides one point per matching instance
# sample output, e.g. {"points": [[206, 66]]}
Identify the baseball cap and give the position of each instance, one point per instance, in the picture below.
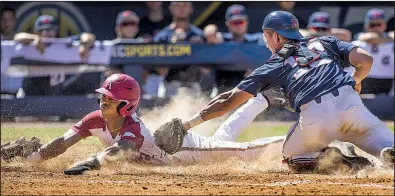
{"points": [[44, 22], [374, 14], [319, 19], [283, 23], [235, 12], [127, 15]]}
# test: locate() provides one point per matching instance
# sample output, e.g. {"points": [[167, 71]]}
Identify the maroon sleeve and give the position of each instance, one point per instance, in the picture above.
{"points": [[132, 132], [91, 121]]}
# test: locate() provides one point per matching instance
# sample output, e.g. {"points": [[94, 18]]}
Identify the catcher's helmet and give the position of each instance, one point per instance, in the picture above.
{"points": [[123, 88], [283, 23]]}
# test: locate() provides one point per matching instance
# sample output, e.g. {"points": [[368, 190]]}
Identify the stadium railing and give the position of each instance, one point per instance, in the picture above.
{"points": [[62, 56]]}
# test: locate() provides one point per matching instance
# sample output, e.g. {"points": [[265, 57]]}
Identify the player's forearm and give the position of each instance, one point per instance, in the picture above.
{"points": [[218, 107], [213, 109], [55, 147], [362, 61], [122, 150]]}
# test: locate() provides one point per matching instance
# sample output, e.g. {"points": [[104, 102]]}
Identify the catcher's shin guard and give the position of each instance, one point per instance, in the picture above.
{"points": [[331, 159]]}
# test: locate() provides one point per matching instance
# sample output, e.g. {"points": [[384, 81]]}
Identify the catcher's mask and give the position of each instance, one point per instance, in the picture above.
{"points": [[123, 88]]}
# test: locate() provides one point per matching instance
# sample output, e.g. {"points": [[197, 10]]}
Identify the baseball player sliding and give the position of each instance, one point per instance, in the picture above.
{"points": [[120, 130], [326, 97]]}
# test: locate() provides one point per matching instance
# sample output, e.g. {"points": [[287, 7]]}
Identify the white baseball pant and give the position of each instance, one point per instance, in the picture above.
{"points": [[343, 117]]}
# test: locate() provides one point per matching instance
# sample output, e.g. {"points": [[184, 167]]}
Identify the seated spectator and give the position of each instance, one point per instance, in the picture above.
{"points": [[9, 85], [127, 27], [8, 22], [237, 23], [154, 21], [289, 6], [188, 76], [46, 27], [150, 25], [379, 44], [319, 26]]}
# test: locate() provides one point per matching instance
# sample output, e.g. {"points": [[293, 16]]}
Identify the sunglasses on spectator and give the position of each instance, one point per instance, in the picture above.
{"points": [[124, 24], [375, 24], [319, 29], [237, 22]]}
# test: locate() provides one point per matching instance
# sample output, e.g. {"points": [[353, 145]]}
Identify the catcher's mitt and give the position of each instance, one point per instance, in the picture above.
{"points": [[20, 147], [170, 136]]}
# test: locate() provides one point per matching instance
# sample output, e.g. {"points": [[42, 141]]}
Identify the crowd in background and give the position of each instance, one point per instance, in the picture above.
{"points": [[156, 27]]}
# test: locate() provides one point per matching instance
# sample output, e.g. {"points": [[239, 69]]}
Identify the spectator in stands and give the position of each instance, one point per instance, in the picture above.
{"points": [[154, 21], [188, 76], [289, 6], [150, 25], [46, 27], [9, 85], [8, 21], [319, 26], [126, 27], [381, 46], [237, 23]]}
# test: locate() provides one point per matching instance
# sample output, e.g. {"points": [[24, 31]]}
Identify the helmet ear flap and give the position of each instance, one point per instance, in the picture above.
{"points": [[120, 106]]}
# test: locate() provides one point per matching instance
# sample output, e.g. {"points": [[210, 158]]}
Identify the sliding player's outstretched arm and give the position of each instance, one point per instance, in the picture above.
{"points": [[55, 147]]}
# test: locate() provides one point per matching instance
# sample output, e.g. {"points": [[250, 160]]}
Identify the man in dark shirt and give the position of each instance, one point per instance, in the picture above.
{"points": [[237, 23], [176, 77], [154, 21]]}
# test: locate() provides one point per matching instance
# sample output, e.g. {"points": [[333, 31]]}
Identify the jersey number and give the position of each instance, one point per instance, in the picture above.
{"points": [[315, 47]]}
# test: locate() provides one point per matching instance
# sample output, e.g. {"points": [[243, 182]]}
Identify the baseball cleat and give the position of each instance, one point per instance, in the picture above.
{"points": [[388, 155]]}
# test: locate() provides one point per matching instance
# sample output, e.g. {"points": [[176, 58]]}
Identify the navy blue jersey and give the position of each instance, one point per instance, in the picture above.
{"points": [[304, 83], [164, 36]]}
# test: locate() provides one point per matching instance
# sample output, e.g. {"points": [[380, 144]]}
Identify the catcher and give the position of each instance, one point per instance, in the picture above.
{"points": [[288, 72]]}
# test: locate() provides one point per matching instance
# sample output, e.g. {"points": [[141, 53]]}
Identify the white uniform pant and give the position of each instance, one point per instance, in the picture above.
{"points": [[343, 118], [197, 148]]}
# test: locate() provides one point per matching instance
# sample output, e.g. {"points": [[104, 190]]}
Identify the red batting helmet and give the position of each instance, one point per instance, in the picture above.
{"points": [[123, 88]]}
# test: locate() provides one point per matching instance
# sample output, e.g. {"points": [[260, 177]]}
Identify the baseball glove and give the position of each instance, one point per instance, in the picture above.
{"points": [[91, 164], [20, 147], [170, 136]]}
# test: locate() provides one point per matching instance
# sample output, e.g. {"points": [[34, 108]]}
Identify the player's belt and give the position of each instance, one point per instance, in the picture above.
{"points": [[328, 96], [335, 93]]}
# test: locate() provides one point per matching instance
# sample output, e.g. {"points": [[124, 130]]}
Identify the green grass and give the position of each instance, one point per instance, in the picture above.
{"points": [[46, 132]]}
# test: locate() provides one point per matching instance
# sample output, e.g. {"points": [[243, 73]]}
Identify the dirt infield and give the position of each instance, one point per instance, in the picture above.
{"points": [[146, 181]]}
